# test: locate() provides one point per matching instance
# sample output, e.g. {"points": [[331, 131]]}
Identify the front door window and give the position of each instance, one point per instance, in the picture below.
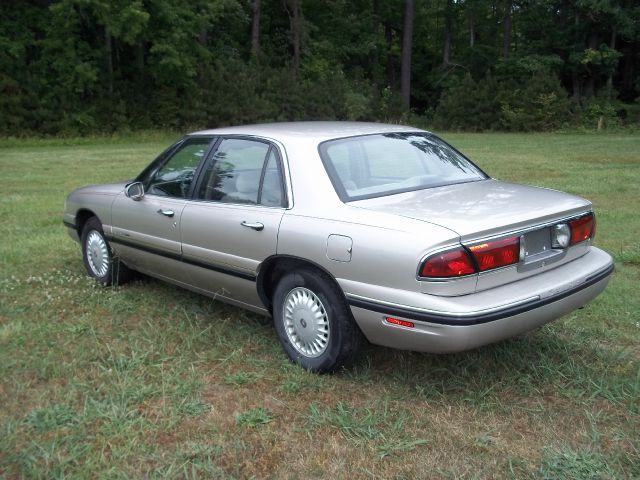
{"points": [[174, 178]]}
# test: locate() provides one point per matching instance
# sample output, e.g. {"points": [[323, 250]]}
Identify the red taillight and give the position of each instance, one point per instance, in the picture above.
{"points": [[402, 323], [582, 228], [453, 263], [496, 253]]}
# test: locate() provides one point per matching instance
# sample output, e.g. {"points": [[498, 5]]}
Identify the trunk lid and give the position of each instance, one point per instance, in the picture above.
{"points": [[480, 209]]}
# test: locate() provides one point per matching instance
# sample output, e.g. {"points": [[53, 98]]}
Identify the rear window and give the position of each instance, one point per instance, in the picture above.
{"points": [[377, 165]]}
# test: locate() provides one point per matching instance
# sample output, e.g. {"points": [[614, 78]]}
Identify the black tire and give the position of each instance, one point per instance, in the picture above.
{"points": [[110, 271], [344, 338]]}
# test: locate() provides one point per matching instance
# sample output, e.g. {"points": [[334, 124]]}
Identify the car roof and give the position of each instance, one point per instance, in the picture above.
{"points": [[319, 131]]}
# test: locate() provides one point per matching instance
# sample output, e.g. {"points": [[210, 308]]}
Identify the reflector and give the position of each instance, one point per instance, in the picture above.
{"points": [[402, 323]]}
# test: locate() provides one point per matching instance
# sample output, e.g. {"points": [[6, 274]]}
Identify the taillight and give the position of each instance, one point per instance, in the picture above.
{"points": [[496, 253], [582, 228], [452, 263]]}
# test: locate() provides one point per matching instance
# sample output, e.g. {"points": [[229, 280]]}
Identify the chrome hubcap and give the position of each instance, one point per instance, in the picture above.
{"points": [[97, 254], [306, 322]]}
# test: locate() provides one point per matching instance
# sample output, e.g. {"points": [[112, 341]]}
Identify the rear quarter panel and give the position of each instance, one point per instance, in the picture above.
{"points": [[386, 250]]}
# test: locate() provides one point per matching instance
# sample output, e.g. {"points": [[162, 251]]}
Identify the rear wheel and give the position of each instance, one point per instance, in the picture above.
{"points": [[313, 322], [98, 258]]}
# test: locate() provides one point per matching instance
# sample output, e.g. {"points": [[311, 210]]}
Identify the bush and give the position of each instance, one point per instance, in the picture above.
{"points": [[469, 105], [537, 102], [540, 104]]}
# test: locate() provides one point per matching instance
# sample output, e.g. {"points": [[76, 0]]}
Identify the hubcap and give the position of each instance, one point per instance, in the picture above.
{"points": [[306, 322], [97, 254]]}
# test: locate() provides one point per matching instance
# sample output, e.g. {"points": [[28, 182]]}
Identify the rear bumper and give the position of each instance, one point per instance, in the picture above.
{"points": [[475, 320]]}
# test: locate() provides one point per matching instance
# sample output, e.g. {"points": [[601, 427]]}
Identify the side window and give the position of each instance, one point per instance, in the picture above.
{"points": [[271, 194], [235, 172], [174, 178]]}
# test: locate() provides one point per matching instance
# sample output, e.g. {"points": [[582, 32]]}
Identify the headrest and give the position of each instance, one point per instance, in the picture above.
{"points": [[248, 182]]}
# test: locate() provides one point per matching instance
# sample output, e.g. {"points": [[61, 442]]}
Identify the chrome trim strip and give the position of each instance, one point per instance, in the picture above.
{"points": [[474, 318], [180, 258], [391, 305]]}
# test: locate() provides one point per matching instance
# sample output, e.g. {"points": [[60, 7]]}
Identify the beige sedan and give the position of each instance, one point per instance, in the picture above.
{"points": [[343, 232]]}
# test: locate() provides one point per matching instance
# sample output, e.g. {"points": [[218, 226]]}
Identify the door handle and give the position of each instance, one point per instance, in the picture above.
{"points": [[166, 213], [256, 225]]}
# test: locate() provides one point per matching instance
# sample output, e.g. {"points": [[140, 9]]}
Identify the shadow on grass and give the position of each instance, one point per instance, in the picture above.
{"points": [[554, 360], [550, 361]]}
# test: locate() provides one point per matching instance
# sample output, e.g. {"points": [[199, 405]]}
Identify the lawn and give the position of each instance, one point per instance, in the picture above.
{"points": [[145, 380]]}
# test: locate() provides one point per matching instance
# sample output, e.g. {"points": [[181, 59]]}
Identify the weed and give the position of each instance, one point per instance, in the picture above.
{"points": [[254, 417]]}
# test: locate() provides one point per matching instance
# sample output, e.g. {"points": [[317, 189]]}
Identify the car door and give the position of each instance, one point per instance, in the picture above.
{"points": [[146, 232], [231, 224]]}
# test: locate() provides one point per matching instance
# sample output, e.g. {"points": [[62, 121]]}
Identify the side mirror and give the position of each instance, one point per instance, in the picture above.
{"points": [[135, 191]]}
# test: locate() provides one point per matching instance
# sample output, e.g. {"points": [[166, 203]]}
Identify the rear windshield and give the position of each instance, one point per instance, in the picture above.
{"points": [[377, 165]]}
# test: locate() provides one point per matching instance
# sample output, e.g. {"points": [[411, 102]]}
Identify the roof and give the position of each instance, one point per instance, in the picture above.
{"points": [[318, 130]]}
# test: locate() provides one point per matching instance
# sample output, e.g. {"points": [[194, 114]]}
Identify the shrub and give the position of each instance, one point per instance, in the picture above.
{"points": [[541, 103]]}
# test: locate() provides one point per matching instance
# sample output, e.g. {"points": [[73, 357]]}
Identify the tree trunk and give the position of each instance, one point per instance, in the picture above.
{"points": [[295, 20], [203, 40], [255, 29], [590, 84], [575, 84], [109, 49], [407, 44], [472, 33], [612, 45], [391, 71], [139, 56], [446, 50], [506, 38]]}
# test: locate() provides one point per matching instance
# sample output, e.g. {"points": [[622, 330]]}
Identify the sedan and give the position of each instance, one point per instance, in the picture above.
{"points": [[344, 232]]}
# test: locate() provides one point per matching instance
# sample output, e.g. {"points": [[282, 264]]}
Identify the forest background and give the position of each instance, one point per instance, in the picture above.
{"points": [[77, 67]]}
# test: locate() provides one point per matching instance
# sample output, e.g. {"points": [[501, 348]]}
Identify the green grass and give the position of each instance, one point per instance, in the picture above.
{"points": [[145, 380]]}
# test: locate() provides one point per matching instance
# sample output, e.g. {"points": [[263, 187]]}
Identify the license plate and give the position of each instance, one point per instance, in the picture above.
{"points": [[536, 242]]}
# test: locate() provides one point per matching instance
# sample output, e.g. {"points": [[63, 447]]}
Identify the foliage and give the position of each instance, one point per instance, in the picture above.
{"points": [[522, 102], [470, 105], [84, 66], [538, 103]]}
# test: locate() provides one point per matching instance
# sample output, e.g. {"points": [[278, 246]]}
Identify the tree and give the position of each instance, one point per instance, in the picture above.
{"points": [[255, 28], [506, 37], [294, 9], [407, 45]]}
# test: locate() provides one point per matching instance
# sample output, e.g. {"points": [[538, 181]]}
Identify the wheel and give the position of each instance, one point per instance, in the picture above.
{"points": [[97, 256], [313, 322]]}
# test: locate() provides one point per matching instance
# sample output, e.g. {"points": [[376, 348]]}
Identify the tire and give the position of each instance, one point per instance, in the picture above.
{"points": [[98, 257], [313, 322]]}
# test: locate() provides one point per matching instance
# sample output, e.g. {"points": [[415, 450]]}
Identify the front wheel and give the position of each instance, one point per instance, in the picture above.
{"points": [[97, 256], [313, 322]]}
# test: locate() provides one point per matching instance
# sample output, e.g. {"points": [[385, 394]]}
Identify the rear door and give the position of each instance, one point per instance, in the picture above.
{"points": [[146, 233], [231, 224]]}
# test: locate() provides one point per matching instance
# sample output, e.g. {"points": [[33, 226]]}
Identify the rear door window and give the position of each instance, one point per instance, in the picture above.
{"points": [[243, 171]]}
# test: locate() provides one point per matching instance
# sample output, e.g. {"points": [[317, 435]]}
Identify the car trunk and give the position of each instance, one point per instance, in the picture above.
{"points": [[488, 208], [480, 209]]}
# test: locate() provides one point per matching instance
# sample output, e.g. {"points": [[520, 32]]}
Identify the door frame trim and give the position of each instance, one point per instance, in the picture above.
{"points": [[180, 258]]}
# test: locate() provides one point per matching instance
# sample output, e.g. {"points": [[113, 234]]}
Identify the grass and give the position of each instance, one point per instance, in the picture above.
{"points": [[145, 380]]}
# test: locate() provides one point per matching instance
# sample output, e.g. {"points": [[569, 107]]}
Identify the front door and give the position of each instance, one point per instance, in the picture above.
{"points": [[146, 233], [232, 223]]}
